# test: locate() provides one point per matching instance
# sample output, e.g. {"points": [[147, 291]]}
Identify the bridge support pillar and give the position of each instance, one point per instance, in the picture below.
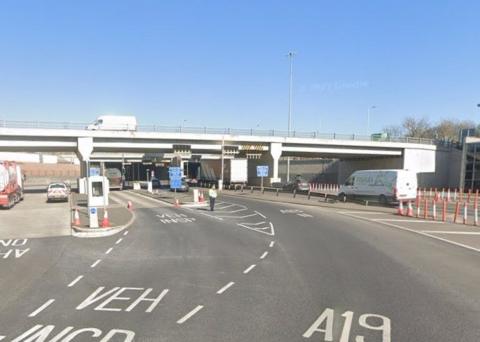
{"points": [[84, 151], [275, 152]]}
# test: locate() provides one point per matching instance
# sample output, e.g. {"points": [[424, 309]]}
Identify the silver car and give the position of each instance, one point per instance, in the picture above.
{"points": [[57, 192]]}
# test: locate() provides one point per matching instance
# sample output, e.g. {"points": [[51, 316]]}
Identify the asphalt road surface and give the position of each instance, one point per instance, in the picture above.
{"points": [[249, 271]]}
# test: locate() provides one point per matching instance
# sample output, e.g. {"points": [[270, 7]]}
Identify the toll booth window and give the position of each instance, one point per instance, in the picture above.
{"points": [[97, 189]]}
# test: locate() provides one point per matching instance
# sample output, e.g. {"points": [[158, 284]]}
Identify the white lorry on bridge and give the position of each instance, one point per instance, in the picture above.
{"points": [[114, 123]]}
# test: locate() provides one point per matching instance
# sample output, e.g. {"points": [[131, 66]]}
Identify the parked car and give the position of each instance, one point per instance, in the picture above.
{"points": [[298, 184], [57, 192], [385, 186]]}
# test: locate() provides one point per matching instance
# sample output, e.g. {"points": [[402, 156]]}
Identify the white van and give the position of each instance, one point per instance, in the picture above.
{"points": [[382, 185], [114, 123]]}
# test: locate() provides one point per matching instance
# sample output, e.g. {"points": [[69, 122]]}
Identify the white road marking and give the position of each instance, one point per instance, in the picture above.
{"points": [[205, 214], [126, 232], [236, 211], [449, 232], [304, 215], [95, 263], [118, 241], [75, 280], [225, 207], [249, 268], [406, 220], [2, 337], [225, 288], [190, 314], [258, 213], [271, 244], [40, 309], [237, 217], [109, 250], [264, 255], [418, 232], [253, 224], [361, 212], [260, 229]]}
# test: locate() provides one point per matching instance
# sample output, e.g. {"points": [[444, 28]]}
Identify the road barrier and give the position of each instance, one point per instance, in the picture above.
{"points": [[427, 204]]}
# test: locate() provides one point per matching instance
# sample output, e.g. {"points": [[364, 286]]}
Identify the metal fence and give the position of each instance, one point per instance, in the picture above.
{"points": [[225, 131]]}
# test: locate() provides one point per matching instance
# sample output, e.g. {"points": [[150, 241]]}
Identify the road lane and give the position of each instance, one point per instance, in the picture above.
{"points": [[320, 275]]}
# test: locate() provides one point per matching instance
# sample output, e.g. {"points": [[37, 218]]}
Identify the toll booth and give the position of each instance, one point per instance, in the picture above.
{"points": [[97, 193]]}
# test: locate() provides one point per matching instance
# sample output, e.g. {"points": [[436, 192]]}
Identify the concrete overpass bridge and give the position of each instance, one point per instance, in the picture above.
{"points": [[157, 143]]}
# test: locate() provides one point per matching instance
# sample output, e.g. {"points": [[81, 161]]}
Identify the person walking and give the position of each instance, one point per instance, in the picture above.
{"points": [[212, 194]]}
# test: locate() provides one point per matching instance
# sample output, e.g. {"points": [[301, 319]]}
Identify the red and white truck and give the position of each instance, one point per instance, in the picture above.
{"points": [[11, 184]]}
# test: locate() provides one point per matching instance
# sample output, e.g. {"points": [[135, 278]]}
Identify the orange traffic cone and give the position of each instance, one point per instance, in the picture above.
{"points": [[177, 203], [129, 205], [76, 218], [201, 199], [400, 208], [105, 221], [410, 209]]}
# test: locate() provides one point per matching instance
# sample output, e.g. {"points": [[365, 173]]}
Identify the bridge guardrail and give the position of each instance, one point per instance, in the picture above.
{"points": [[208, 130]]}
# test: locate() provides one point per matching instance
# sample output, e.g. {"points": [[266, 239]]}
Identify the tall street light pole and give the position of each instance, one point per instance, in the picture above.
{"points": [[290, 55], [368, 118]]}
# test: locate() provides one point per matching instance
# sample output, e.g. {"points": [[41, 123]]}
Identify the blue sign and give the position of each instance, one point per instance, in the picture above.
{"points": [[175, 175], [262, 170], [93, 211]]}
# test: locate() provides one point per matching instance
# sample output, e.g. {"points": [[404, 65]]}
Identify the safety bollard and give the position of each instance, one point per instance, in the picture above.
{"points": [[434, 209], [417, 205], [475, 209], [457, 212], [465, 212], [294, 193], [309, 194], [251, 189], [263, 191], [278, 190], [444, 211], [425, 209], [400, 208]]}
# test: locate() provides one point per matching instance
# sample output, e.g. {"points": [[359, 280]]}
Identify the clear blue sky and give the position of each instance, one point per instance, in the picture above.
{"points": [[223, 63]]}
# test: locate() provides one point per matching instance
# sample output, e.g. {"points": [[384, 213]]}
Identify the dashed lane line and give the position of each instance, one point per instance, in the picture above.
{"points": [[41, 308], [95, 263], [264, 255], [190, 314], [225, 288], [249, 268], [118, 241], [109, 250], [2, 337], [76, 280], [271, 244], [125, 233]]}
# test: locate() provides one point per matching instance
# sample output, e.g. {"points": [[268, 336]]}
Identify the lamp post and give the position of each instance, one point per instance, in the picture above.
{"points": [[368, 118], [290, 56], [182, 124]]}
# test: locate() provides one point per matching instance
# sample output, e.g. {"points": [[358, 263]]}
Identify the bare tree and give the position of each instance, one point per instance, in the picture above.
{"points": [[449, 129], [417, 128], [393, 130]]}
